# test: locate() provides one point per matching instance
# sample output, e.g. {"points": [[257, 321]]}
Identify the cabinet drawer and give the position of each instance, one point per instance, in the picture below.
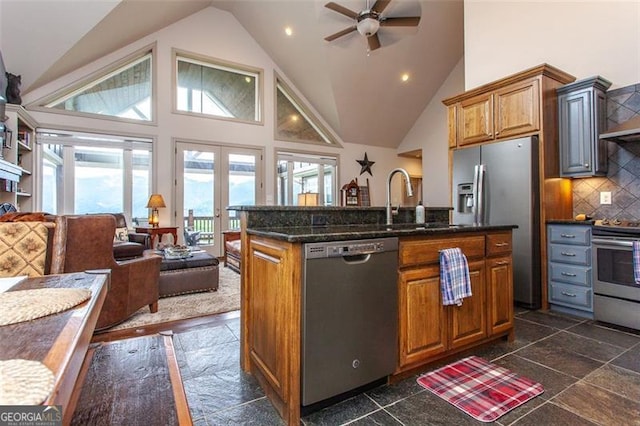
{"points": [[570, 295], [578, 275], [568, 234], [576, 255], [424, 251], [498, 243]]}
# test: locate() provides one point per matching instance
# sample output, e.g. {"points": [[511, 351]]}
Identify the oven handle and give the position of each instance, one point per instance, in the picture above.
{"points": [[613, 243]]}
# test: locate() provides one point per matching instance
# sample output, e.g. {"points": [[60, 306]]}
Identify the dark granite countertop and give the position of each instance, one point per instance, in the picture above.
{"points": [[308, 234]]}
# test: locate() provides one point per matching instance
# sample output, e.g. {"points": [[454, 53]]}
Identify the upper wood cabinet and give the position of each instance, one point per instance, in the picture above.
{"points": [[582, 117], [503, 109], [507, 112]]}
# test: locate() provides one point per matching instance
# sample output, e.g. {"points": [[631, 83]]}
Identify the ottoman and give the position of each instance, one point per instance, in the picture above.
{"points": [[193, 274]]}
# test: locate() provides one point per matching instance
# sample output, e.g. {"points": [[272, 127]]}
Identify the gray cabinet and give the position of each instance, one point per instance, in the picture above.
{"points": [[570, 272], [582, 117]]}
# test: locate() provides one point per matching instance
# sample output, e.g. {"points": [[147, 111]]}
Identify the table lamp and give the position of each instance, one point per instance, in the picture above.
{"points": [[155, 201]]}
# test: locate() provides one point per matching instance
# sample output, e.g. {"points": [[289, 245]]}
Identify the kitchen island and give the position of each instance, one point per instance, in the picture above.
{"points": [[272, 282]]}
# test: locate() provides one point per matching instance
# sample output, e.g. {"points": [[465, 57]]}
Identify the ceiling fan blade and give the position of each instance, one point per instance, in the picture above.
{"points": [[341, 9], [340, 33], [408, 21], [380, 5], [373, 41]]}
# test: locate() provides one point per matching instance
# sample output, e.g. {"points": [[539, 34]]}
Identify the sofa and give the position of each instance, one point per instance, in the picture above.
{"points": [[126, 243], [232, 252]]}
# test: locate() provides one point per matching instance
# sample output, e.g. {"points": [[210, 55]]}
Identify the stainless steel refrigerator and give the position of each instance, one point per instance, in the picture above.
{"points": [[498, 184]]}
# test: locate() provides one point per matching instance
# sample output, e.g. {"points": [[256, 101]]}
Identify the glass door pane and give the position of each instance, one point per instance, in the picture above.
{"points": [[198, 191], [242, 185]]}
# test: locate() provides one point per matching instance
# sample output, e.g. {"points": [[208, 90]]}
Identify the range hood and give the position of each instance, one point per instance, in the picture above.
{"points": [[629, 131]]}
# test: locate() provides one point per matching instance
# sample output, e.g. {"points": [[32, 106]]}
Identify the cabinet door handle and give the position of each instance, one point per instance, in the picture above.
{"points": [[567, 274], [567, 235], [501, 244], [564, 253], [503, 262], [564, 293]]}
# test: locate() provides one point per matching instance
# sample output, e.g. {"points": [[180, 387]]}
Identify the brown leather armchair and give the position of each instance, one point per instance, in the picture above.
{"points": [[135, 244], [85, 243]]}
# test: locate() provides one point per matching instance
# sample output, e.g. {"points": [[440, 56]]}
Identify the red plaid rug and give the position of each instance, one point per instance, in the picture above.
{"points": [[483, 390]]}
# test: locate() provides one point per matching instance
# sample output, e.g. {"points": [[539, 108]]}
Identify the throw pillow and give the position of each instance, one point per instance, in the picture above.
{"points": [[122, 234]]}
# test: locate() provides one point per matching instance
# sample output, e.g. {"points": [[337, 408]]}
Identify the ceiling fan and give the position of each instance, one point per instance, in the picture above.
{"points": [[369, 20]]}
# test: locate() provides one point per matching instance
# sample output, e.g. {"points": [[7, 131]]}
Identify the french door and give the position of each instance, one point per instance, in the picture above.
{"points": [[208, 179]]}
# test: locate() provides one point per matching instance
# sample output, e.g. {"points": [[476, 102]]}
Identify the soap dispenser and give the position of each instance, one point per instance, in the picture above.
{"points": [[420, 213]]}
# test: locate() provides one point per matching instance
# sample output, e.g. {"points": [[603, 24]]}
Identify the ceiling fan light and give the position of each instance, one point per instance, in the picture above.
{"points": [[368, 26]]}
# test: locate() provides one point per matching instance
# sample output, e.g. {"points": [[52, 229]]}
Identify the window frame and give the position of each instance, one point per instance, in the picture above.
{"points": [[302, 156], [312, 119], [108, 70], [222, 64], [127, 143]]}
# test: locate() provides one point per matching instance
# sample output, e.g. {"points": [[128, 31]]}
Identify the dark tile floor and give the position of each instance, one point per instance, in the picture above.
{"points": [[590, 372]]}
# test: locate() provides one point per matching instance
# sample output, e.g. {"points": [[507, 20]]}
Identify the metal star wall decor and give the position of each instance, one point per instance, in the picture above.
{"points": [[365, 165]]}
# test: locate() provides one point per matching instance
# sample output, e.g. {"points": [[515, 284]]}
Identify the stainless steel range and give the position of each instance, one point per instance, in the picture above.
{"points": [[616, 298]]}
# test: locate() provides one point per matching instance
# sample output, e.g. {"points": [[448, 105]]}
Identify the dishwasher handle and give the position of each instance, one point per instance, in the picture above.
{"points": [[356, 259]]}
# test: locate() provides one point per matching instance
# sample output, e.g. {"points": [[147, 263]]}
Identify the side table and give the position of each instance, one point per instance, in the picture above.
{"points": [[158, 233]]}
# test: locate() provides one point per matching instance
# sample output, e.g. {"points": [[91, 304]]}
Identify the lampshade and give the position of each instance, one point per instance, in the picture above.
{"points": [[155, 201], [368, 26], [308, 199]]}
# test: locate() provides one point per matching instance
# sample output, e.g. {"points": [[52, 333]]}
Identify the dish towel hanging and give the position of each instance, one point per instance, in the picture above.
{"points": [[455, 283], [636, 261]]}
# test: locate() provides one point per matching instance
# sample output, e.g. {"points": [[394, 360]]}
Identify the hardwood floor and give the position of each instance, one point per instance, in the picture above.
{"points": [[590, 372]]}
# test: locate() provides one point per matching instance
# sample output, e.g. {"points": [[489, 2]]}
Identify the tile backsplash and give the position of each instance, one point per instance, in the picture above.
{"points": [[623, 177]]}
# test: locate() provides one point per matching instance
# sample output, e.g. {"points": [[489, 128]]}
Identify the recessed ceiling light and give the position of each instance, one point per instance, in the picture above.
{"points": [[288, 31], [247, 79], [405, 77], [294, 117]]}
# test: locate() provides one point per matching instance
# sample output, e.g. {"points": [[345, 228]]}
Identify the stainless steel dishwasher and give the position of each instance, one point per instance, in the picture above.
{"points": [[349, 316]]}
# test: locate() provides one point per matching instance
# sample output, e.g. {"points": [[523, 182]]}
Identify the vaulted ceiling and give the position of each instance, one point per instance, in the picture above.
{"points": [[360, 94]]}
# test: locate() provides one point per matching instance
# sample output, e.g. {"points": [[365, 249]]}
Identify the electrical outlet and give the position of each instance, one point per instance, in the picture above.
{"points": [[605, 197]]}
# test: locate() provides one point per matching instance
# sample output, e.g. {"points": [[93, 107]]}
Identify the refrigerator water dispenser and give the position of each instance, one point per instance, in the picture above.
{"points": [[465, 198]]}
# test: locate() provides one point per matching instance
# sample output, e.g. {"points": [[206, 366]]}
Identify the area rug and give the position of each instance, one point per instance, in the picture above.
{"points": [[225, 299], [481, 389]]}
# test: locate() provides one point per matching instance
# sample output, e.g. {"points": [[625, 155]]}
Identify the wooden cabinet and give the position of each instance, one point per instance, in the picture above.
{"points": [[510, 111], [570, 270], [469, 320], [271, 303], [17, 181], [582, 117], [428, 330], [423, 323]]}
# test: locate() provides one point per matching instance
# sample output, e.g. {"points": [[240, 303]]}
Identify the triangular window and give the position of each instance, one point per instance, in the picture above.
{"points": [[296, 123], [125, 92]]}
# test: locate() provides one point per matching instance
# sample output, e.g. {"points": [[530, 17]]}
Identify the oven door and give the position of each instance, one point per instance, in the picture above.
{"points": [[616, 296]]}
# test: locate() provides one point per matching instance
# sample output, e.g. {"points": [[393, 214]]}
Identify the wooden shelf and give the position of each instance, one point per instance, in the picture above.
{"points": [[23, 194]]}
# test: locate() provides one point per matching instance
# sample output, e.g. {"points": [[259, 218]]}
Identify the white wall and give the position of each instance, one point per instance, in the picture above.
{"points": [[430, 133], [216, 34], [583, 38]]}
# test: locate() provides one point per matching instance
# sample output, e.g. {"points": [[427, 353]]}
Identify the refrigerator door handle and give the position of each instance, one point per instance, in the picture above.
{"points": [[480, 214], [476, 183]]}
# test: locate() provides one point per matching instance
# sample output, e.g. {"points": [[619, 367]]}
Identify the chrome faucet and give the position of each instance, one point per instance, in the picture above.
{"points": [[409, 192]]}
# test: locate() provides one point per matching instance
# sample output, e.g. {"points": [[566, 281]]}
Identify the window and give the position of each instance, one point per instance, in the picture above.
{"points": [[90, 173], [303, 173], [125, 92], [217, 89], [295, 123]]}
